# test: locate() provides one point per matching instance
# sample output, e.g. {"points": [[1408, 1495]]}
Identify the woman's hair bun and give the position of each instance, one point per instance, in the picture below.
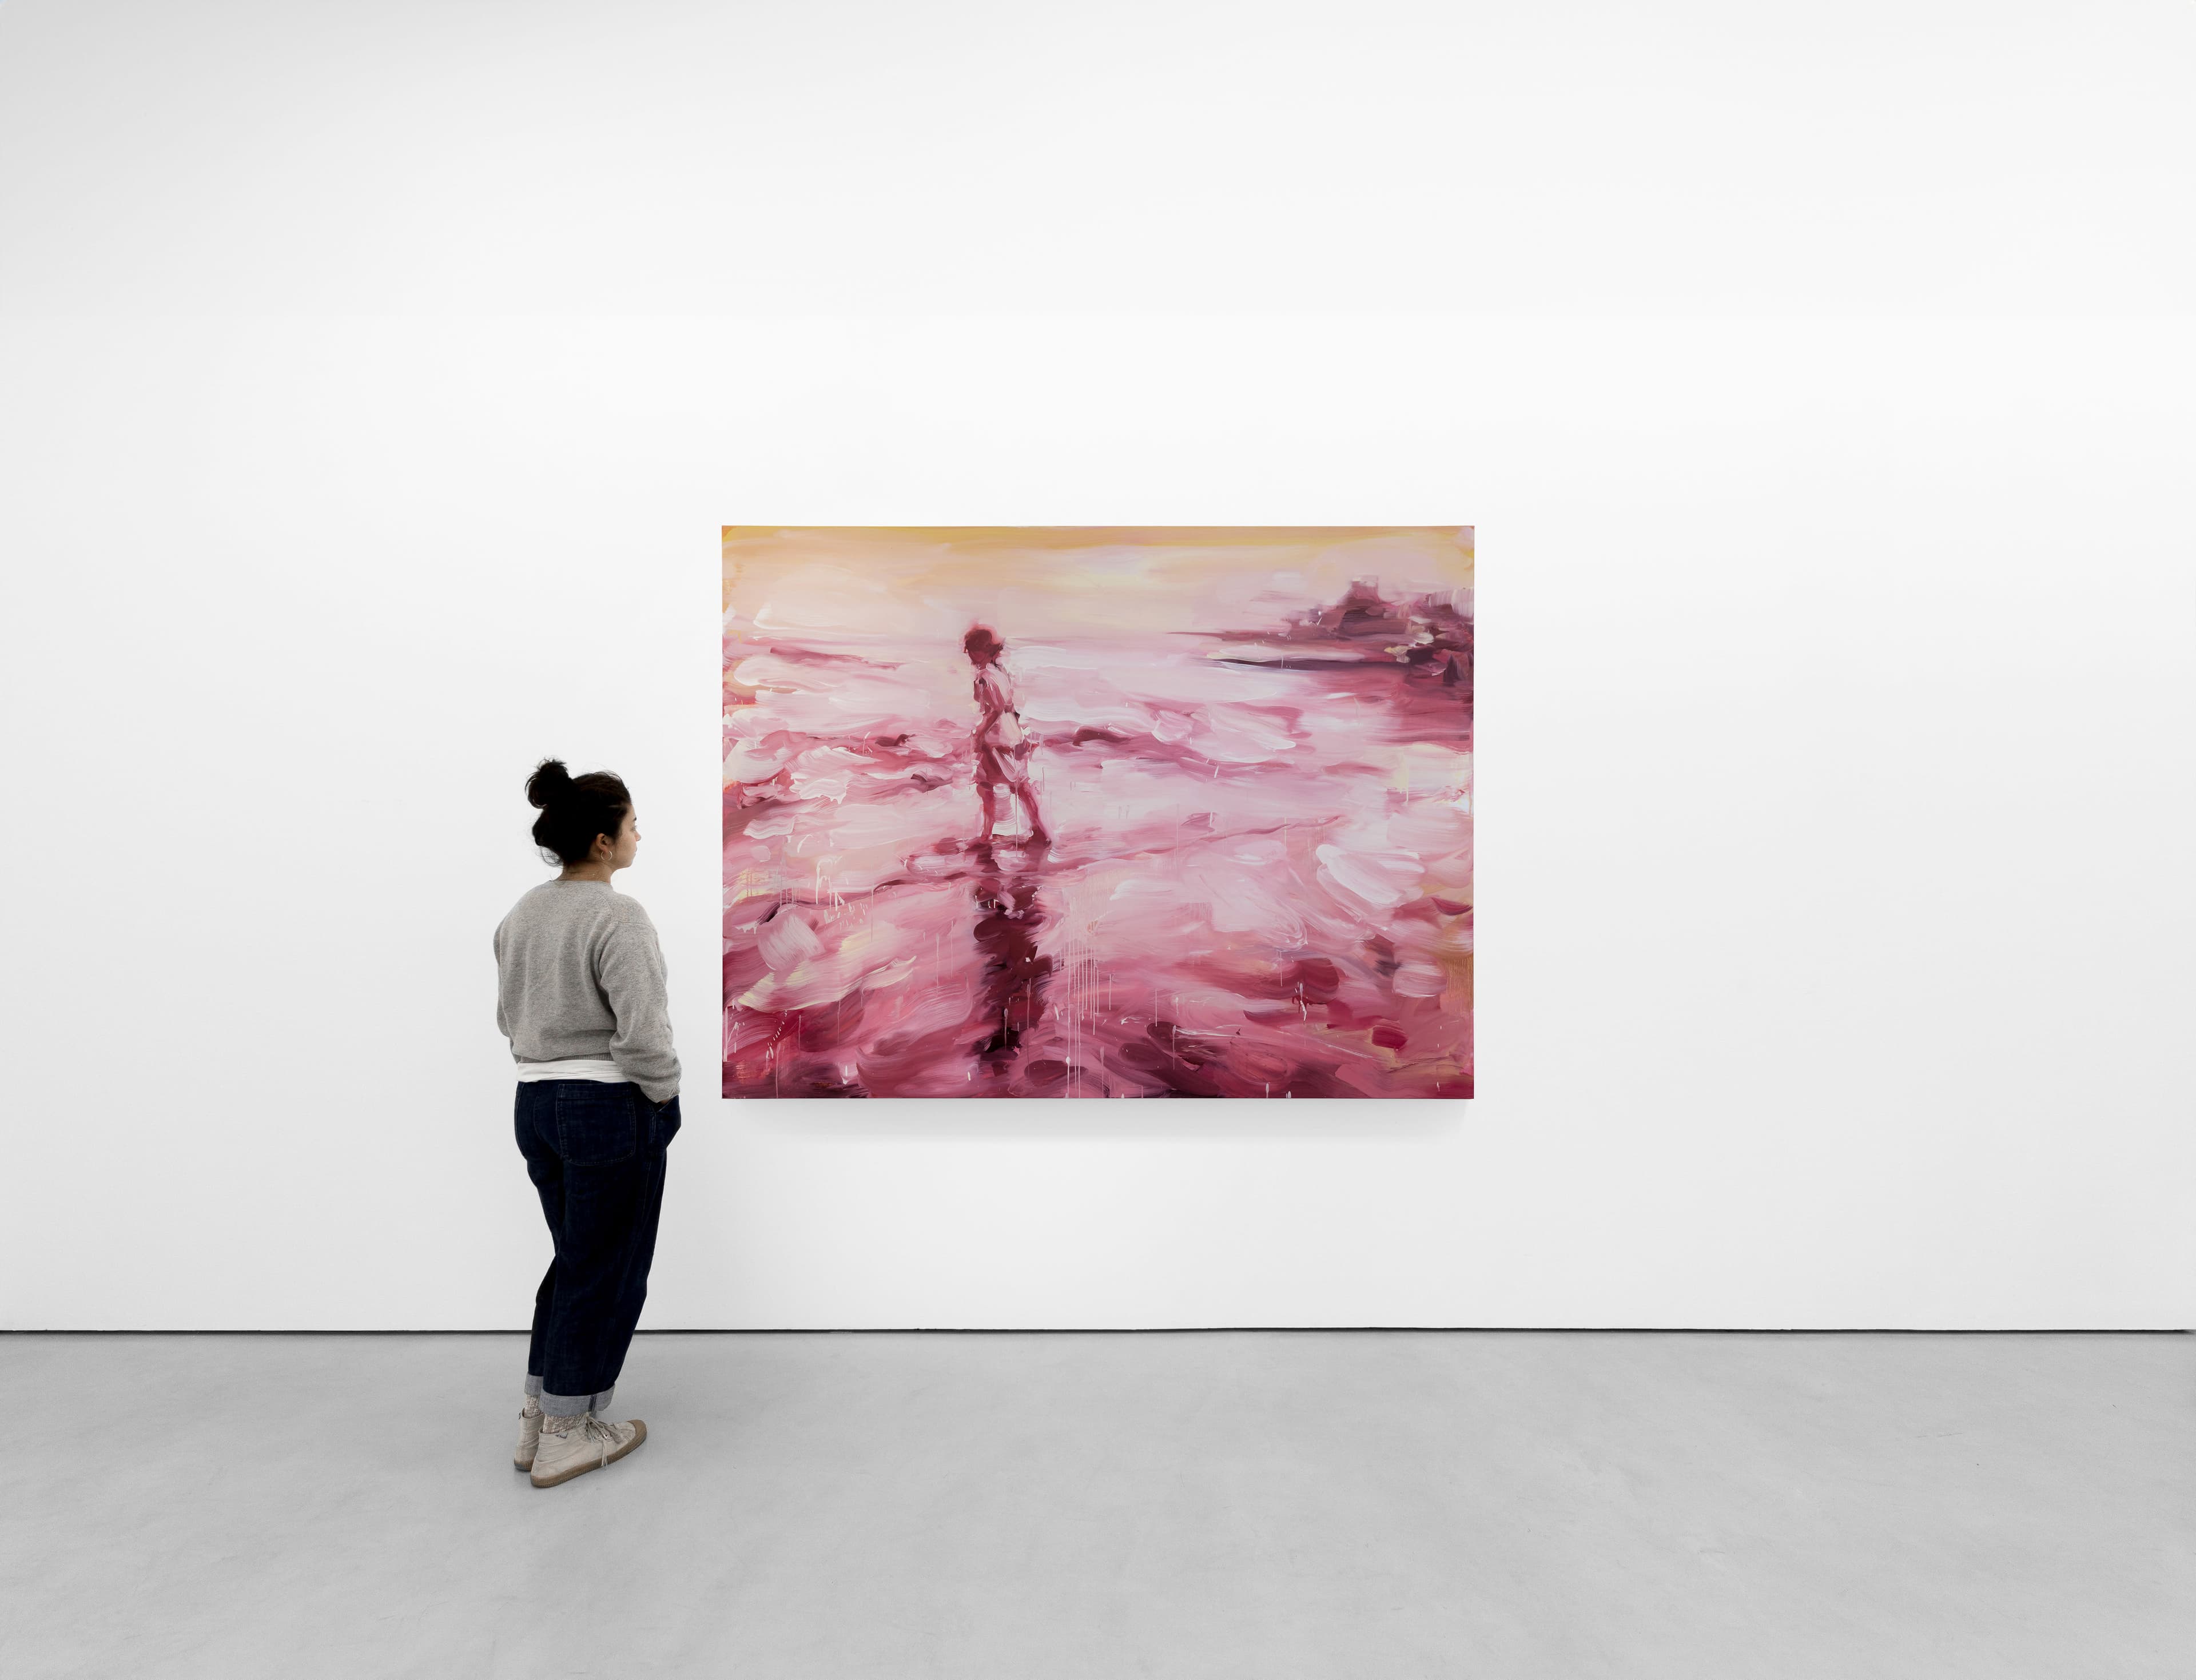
{"points": [[550, 782]]}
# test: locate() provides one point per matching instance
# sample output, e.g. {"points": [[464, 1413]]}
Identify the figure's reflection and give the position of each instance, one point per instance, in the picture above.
{"points": [[1011, 989]]}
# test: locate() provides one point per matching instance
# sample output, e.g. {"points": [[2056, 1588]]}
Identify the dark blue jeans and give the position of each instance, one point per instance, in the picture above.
{"points": [[595, 1152]]}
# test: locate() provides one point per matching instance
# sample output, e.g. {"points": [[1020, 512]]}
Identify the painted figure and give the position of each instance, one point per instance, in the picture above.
{"points": [[1002, 749]]}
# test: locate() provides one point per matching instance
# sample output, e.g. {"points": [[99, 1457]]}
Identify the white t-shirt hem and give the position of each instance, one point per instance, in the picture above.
{"points": [[573, 1067]]}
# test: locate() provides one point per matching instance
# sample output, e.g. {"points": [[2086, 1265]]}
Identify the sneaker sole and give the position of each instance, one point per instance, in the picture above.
{"points": [[640, 1435]]}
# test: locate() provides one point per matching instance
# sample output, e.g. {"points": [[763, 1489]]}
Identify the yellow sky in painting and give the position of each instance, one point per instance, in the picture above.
{"points": [[862, 584]]}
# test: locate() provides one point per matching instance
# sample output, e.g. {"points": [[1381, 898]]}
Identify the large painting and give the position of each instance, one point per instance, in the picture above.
{"points": [[1103, 813]]}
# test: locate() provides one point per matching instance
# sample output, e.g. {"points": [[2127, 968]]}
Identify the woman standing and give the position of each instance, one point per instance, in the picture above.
{"points": [[1002, 749], [580, 995]]}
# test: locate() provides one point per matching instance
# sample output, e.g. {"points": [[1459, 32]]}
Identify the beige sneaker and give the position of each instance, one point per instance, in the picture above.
{"points": [[581, 1444], [529, 1433]]}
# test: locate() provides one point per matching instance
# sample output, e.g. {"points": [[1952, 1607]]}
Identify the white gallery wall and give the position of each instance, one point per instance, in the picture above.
{"points": [[1822, 382]]}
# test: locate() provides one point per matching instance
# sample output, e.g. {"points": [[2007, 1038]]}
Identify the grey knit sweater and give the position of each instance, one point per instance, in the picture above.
{"points": [[579, 973]]}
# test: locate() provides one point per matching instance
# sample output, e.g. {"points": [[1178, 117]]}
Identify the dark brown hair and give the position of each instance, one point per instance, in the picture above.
{"points": [[574, 808]]}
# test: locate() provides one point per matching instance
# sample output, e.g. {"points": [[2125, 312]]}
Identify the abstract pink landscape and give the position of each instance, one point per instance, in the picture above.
{"points": [[1062, 812]]}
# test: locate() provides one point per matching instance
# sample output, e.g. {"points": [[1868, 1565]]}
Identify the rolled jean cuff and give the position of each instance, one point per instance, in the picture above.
{"points": [[571, 1406]]}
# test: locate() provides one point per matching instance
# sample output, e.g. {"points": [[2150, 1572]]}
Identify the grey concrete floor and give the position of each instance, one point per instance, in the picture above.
{"points": [[1254, 1504]]}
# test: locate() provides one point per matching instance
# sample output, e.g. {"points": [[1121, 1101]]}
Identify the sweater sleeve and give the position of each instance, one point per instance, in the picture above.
{"points": [[502, 1013], [632, 980]]}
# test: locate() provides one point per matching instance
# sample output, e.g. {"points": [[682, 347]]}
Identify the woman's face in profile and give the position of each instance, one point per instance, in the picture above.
{"points": [[628, 841]]}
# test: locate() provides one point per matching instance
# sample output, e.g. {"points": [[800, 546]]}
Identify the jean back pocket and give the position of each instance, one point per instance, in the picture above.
{"points": [[598, 1125]]}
